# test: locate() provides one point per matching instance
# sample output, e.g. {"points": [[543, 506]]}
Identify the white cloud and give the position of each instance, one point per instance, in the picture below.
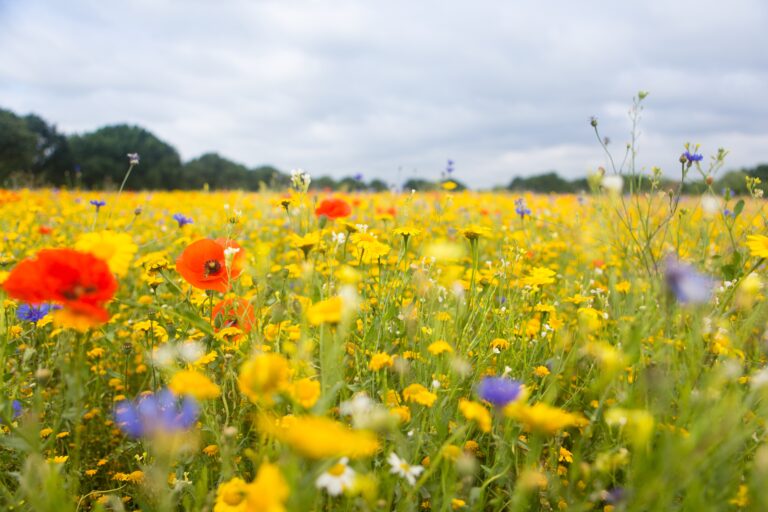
{"points": [[393, 89]]}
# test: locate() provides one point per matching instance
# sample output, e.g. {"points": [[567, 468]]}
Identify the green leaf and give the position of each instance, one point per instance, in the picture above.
{"points": [[738, 208]]}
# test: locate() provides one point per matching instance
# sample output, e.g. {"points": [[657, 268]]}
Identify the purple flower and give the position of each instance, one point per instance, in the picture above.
{"points": [[17, 408], [98, 203], [159, 413], [687, 284], [521, 209], [499, 390], [358, 176], [693, 157], [449, 167], [34, 313], [182, 219]]}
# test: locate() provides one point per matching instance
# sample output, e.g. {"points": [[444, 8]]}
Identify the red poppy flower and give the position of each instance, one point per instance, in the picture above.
{"points": [[79, 281], [45, 230], [235, 312], [203, 264], [333, 208]]}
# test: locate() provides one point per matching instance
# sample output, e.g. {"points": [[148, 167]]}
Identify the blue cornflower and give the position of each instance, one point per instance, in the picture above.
{"points": [[449, 167], [693, 157], [358, 176], [499, 390], [520, 208], [34, 313], [98, 203], [729, 213], [182, 219], [162, 412], [687, 284], [17, 408]]}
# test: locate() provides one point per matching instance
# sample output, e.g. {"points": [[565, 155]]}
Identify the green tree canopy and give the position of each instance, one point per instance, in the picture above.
{"points": [[102, 161], [17, 145]]}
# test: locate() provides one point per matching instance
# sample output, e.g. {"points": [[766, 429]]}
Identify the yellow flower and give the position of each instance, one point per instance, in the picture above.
{"points": [[326, 311], [741, 499], [317, 437], [263, 376], [565, 455], [306, 392], [539, 276], [758, 246], [419, 394], [637, 424], [543, 418], [407, 231], [268, 492], [474, 232], [449, 185], [439, 347], [192, 383], [380, 360], [499, 344], [456, 503], [211, 450], [117, 249], [541, 371], [474, 411], [231, 496]]}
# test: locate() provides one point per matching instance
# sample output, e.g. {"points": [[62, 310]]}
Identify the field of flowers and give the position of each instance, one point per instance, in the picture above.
{"points": [[415, 351]]}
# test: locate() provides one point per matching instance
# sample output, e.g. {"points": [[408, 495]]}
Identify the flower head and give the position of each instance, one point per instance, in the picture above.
{"points": [[521, 209], [499, 391], [182, 219], [402, 468], [687, 284], [156, 414], [98, 203], [79, 281], [34, 313], [234, 312], [337, 478], [693, 157], [333, 208], [133, 158], [203, 264]]}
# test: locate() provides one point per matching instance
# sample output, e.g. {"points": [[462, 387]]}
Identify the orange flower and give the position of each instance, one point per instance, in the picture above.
{"points": [[203, 264], [235, 312], [333, 208], [79, 281]]}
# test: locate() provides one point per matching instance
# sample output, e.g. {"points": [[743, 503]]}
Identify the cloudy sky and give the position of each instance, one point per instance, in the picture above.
{"points": [[393, 89]]}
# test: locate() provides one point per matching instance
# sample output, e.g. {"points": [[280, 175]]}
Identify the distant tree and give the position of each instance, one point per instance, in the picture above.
{"points": [[418, 184], [377, 185], [545, 183], [215, 171], [101, 157], [761, 171], [267, 176], [323, 182], [53, 157], [734, 180], [351, 184], [17, 145]]}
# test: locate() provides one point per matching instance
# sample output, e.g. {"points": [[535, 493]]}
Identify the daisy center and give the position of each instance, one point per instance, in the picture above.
{"points": [[337, 469]]}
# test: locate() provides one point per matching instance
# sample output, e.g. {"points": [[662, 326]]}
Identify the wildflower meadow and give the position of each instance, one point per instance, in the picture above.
{"points": [[449, 350]]}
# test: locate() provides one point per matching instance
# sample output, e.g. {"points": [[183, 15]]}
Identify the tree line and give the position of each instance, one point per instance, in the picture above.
{"points": [[33, 153]]}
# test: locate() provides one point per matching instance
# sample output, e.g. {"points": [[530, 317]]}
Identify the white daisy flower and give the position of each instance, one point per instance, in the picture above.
{"points": [[337, 479], [402, 468]]}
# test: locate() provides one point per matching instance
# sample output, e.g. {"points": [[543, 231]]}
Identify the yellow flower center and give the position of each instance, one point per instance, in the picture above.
{"points": [[337, 469]]}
